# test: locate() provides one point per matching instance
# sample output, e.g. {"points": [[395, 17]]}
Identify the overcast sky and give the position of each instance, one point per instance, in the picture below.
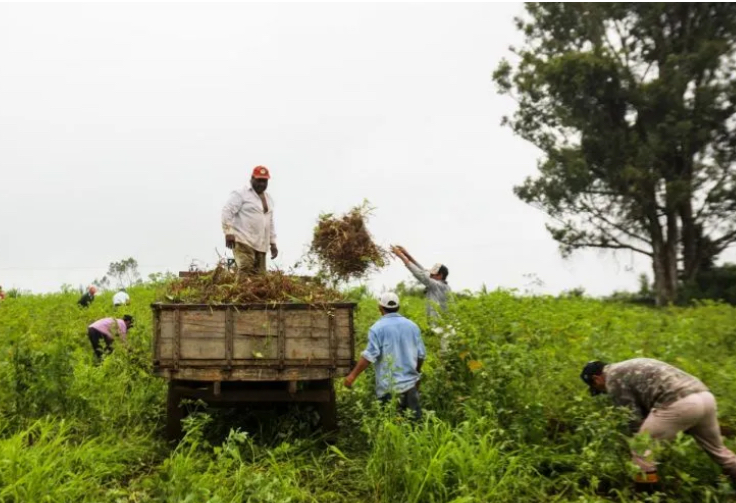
{"points": [[124, 127]]}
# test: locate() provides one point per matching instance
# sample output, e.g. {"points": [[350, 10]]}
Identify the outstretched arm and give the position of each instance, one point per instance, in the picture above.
{"points": [[417, 270], [406, 255], [371, 354], [353, 375]]}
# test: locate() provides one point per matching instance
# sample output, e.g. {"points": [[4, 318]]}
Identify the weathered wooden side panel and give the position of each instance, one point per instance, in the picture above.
{"points": [[252, 374], [202, 335], [166, 328], [256, 333], [313, 335], [253, 342]]}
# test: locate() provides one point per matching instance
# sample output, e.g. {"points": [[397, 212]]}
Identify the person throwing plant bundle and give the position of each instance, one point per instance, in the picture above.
{"points": [[247, 220], [435, 281], [396, 349], [436, 290], [105, 329], [88, 297], [665, 401]]}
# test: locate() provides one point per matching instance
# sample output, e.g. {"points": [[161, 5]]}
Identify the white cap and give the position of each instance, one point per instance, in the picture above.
{"points": [[389, 300], [435, 269]]}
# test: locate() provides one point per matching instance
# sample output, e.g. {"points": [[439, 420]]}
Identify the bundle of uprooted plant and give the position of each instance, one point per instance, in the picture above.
{"points": [[221, 286], [343, 249]]}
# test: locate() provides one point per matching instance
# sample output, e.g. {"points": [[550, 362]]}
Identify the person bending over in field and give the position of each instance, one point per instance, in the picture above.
{"points": [[247, 220], [105, 330], [121, 298], [88, 297], [664, 401], [396, 349]]}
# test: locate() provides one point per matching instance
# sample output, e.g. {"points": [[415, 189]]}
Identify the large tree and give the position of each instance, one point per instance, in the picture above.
{"points": [[633, 106]]}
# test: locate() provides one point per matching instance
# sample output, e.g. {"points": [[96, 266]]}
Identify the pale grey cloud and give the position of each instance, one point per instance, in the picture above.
{"points": [[124, 127]]}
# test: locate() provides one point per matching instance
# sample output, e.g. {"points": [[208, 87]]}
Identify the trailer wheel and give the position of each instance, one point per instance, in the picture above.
{"points": [[174, 414], [328, 414]]}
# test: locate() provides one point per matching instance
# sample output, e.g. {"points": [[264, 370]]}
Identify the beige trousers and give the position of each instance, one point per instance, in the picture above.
{"points": [[696, 415], [248, 260]]}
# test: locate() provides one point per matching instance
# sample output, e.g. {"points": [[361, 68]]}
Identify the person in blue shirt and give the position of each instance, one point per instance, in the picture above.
{"points": [[396, 349]]}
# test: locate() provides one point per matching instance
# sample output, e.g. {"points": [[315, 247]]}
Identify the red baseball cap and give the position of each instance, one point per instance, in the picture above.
{"points": [[261, 172]]}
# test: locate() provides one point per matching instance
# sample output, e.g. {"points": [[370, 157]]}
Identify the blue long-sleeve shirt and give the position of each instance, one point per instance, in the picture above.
{"points": [[394, 347]]}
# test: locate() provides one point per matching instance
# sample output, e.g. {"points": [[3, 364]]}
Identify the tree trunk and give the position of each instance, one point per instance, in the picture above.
{"points": [[660, 294], [659, 268], [665, 277], [673, 241], [690, 251], [664, 256]]}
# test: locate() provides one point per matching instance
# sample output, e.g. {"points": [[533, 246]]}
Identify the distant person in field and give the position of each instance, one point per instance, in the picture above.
{"points": [[664, 401], [247, 220], [434, 280], [105, 330], [436, 291], [396, 349], [88, 297], [2, 294], [121, 298]]}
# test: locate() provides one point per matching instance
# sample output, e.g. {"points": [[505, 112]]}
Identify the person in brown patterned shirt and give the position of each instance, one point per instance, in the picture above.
{"points": [[664, 401]]}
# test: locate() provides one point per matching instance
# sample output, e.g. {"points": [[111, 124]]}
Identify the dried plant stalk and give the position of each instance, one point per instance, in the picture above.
{"points": [[343, 249], [221, 286]]}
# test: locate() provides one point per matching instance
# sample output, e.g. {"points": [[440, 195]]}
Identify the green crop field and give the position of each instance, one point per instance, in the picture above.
{"points": [[508, 418]]}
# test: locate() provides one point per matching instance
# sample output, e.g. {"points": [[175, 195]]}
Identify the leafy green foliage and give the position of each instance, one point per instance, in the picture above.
{"points": [[507, 417], [713, 283]]}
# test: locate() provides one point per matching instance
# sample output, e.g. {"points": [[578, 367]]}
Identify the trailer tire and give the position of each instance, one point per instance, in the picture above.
{"points": [[174, 414], [328, 415]]}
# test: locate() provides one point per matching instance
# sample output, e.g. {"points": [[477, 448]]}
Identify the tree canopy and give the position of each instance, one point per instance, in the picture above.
{"points": [[633, 108]]}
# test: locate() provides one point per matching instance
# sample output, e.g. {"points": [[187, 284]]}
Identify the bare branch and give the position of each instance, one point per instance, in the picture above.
{"points": [[646, 72], [706, 202], [600, 215], [612, 247], [623, 42], [724, 241], [613, 50]]}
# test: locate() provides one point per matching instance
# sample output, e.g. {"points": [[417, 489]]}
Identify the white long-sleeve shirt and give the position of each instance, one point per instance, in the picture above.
{"points": [[243, 216], [120, 298]]}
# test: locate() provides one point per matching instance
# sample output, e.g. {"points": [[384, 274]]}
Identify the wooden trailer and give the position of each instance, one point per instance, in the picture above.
{"points": [[232, 354]]}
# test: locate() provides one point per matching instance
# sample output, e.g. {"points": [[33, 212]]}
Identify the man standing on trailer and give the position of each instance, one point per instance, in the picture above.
{"points": [[664, 401], [247, 220], [396, 349]]}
